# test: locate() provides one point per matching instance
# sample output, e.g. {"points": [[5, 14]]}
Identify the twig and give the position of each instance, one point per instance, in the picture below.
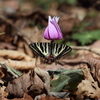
{"points": [[85, 48]]}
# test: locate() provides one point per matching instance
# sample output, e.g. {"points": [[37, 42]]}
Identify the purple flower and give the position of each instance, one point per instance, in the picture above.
{"points": [[52, 31]]}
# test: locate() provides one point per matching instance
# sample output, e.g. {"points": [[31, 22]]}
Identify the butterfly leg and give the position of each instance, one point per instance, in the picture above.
{"points": [[57, 61]]}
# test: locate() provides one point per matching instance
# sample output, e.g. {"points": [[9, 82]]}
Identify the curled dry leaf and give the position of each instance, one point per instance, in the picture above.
{"points": [[85, 50], [88, 87], [30, 83], [37, 87], [45, 77], [19, 86], [12, 54], [95, 65], [4, 45], [20, 65]]}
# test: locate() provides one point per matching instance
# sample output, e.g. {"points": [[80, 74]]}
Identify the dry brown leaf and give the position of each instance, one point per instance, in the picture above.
{"points": [[96, 44], [88, 87], [23, 47], [14, 5], [20, 44], [34, 83], [45, 77], [67, 23], [4, 45], [69, 64], [26, 6], [79, 12], [2, 92], [95, 65], [32, 33], [86, 50], [13, 54], [1, 82], [94, 49], [1, 74], [28, 50], [37, 87], [20, 85], [20, 65], [26, 97], [51, 98]]}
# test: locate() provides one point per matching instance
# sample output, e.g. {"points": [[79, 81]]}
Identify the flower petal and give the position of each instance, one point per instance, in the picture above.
{"points": [[46, 33], [58, 30], [53, 31], [49, 19], [55, 19]]}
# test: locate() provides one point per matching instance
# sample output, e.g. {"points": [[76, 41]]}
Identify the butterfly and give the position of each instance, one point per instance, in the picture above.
{"points": [[50, 52]]}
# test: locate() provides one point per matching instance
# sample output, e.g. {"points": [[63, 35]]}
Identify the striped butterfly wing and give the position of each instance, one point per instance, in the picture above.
{"points": [[60, 50], [42, 49]]}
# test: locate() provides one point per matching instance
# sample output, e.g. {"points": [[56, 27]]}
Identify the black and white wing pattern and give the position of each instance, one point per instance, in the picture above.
{"points": [[43, 49], [60, 50], [50, 50]]}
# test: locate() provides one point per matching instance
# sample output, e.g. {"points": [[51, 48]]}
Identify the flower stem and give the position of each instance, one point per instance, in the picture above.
{"points": [[52, 41]]}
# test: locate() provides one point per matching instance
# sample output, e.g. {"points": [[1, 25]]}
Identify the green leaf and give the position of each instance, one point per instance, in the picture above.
{"points": [[59, 83], [72, 2], [75, 79], [86, 37], [68, 79], [63, 71], [60, 41]]}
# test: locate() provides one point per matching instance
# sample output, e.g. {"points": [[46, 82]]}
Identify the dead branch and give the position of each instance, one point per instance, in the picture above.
{"points": [[12, 54]]}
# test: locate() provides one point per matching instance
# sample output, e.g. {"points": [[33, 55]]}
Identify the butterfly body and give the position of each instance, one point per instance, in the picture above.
{"points": [[48, 59], [50, 52]]}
